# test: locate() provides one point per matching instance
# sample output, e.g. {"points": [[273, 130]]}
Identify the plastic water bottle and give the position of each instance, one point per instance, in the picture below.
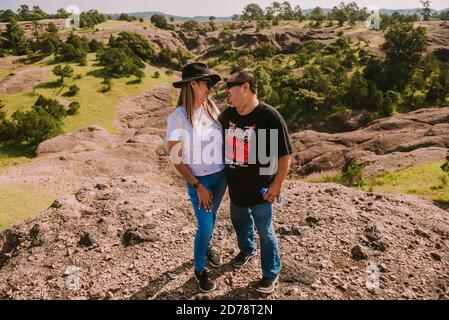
{"points": [[280, 199]]}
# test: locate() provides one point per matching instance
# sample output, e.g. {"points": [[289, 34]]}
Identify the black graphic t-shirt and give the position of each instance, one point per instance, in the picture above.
{"points": [[252, 145]]}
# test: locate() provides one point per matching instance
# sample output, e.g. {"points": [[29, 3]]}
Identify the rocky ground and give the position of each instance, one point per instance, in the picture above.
{"points": [[23, 78], [122, 226], [438, 38], [131, 238], [386, 144]]}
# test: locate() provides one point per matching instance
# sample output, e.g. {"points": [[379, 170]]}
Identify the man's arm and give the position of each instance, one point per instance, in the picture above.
{"points": [[274, 191]]}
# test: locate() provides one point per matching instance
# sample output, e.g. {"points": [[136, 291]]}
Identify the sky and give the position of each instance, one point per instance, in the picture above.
{"points": [[190, 8]]}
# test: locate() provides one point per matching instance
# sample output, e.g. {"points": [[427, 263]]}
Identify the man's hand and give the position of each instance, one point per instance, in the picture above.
{"points": [[273, 192]]}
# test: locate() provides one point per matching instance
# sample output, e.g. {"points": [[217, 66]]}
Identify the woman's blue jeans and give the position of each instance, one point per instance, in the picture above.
{"points": [[216, 183]]}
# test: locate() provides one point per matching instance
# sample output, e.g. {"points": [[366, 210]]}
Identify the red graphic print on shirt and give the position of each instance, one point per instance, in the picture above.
{"points": [[238, 143]]}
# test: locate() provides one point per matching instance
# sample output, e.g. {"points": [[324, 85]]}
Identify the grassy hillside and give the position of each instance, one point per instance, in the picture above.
{"points": [[97, 107], [425, 181]]}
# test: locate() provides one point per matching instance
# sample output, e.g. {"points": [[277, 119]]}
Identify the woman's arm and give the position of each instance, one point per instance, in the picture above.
{"points": [[204, 196]]}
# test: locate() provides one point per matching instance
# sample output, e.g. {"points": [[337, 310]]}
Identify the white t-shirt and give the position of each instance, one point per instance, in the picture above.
{"points": [[201, 144]]}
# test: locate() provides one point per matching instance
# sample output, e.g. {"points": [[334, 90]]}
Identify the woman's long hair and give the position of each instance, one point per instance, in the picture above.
{"points": [[187, 100]]}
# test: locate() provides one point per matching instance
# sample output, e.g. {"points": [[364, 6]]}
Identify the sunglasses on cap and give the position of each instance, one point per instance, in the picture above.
{"points": [[231, 84]]}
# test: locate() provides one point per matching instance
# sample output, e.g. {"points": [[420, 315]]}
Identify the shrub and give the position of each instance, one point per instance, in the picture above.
{"points": [[351, 175], [90, 18], [63, 73], [74, 49], [159, 21], [445, 166], [126, 17], [165, 57], [136, 43], [265, 50], [6, 129], [50, 106], [14, 38], [190, 25], [262, 24], [73, 90], [95, 45], [49, 43], [107, 84], [139, 74], [73, 108], [33, 127], [120, 62]]}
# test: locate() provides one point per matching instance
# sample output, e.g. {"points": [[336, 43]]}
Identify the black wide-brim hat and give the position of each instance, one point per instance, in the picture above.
{"points": [[195, 71]]}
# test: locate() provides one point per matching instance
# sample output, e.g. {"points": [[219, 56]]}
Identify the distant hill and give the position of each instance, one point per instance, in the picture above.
{"points": [[147, 14], [407, 11], [385, 11]]}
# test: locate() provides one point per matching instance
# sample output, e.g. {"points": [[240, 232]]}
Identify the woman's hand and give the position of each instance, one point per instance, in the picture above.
{"points": [[204, 197]]}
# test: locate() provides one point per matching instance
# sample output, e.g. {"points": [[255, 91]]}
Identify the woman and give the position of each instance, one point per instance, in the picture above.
{"points": [[195, 143]]}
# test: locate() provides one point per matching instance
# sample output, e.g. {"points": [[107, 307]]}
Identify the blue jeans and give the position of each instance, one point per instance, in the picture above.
{"points": [[243, 220], [216, 183]]}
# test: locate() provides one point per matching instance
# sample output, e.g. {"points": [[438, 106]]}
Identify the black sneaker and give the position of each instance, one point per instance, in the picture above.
{"points": [[241, 259], [267, 285], [206, 284], [213, 258]]}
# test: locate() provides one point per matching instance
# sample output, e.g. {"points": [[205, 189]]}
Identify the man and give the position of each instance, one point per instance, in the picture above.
{"points": [[257, 155]]}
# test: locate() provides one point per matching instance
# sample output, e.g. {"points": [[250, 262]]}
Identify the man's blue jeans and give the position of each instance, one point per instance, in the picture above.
{"points": [[216, 183], [260, 215]]}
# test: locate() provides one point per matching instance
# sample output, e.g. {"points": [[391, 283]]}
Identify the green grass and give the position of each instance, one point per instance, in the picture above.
{"points": [[100, 27], [4, 73], [96, 107], [18, 202], [323, 177], [13, 155], [109, 23], [426, 181]]}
